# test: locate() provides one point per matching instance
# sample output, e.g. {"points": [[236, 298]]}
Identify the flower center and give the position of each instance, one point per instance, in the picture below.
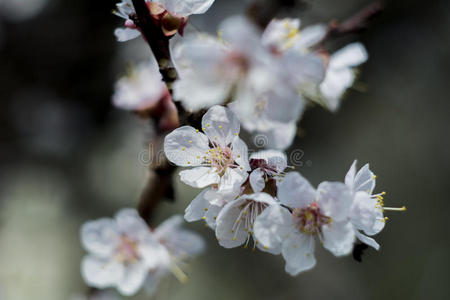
{"points": [[309, 220], [220, 158], [126, 251]]}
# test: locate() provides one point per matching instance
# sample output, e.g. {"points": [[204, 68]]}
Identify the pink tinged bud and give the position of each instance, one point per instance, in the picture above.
{"points": [[130, 24]]}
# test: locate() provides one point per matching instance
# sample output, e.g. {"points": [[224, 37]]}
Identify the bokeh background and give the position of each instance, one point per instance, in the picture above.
{"points": [[68, 156]]}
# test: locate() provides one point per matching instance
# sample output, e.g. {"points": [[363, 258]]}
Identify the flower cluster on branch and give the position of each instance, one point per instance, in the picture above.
{"points": [[261, 80]]}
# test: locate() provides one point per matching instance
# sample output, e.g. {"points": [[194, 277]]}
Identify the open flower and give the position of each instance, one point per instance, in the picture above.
{"points": [[366, 213], [235, 221], [121, 252], [340, 74], [143, 91], [170, 15], [218, 155], [310, 213]]}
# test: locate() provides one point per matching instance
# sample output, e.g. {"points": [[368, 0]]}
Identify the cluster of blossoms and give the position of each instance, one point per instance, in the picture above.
{"points": [[265, 77], [252, 198], [126, 254], [262, 80]]}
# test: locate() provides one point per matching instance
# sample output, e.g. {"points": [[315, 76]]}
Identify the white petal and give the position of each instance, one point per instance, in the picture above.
{"points": [[152, 282], [200, 177], [238, 31], [310, 36], [212, 214], [335, 200], [185, 146], [153, 254], [364, 180], [350, 56], [101, 272], [367, 240], [272, 226], [126, 34], [198, 92], [298, 251], [350, 176], [186, 7], [220, 125], [227, 234], [231, 182], [130, 223], [295, 191], [338, 237], [100, 237], [304, 69], [240, 153], [364, 213], [282, 135], [260, 197], [132, 280], [334, 85], [257, 181], [196, 209]]}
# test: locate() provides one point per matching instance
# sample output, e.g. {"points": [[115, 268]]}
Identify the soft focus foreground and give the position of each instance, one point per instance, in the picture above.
{"points": [[68, 157]]}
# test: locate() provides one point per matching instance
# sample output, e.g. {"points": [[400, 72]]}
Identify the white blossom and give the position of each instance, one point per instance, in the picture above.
{"points": [[366, 213], [171, 14], [321, 213], [142, 89], [340, 74], [121, 252], [218, 155], [124, 9]]}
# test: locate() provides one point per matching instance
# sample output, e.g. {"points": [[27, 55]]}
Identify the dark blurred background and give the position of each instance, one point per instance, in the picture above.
{"points": [[68, 156]]}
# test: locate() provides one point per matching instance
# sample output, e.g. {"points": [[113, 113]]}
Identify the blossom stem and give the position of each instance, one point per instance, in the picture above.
{"points": [[158, 42]]}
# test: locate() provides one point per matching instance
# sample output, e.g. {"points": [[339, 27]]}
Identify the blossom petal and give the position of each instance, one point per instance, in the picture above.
{"points": [[229, 235], [186, 7], [240, 153], [338, 237], [200, 177], [367, 240], [126, 34], [365, 213], [130, 223], [298, 251], [231, 182], [196, 209], [132, 279], [101, 272], [257, 180], [295, 191], [220, 125], [282, 135], [185, 146], [350, 176], [310, 36], [335, 200], [271, 228], [100, 237], [364, 180], [334, 85], [351, 55]]}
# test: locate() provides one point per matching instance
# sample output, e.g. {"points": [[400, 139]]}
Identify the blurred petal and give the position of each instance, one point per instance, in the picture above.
{"points": [[295, 191], [200, 177], [298, 251]]}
